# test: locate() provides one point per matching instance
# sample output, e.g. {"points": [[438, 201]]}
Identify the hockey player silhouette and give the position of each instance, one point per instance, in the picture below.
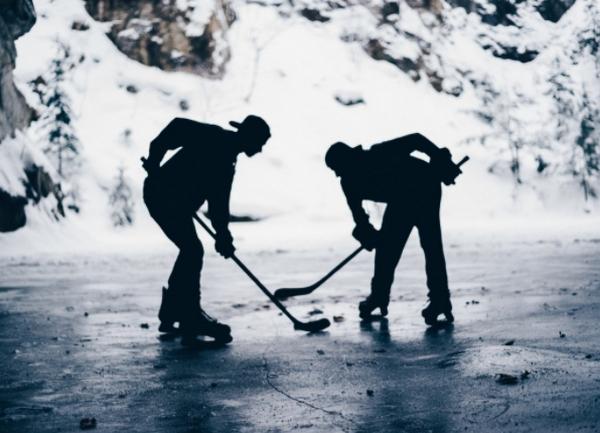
{"points": [[202, 170], [411, 188]]}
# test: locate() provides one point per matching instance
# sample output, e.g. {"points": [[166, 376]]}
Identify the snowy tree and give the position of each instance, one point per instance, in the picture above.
{"points": [[586, 154], [59, 141], [589, 38], [575, 118], [62, 147], [121, 201], [563, 94], [508, 130]]}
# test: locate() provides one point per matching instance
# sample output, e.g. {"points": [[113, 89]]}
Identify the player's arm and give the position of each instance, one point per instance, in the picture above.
{"points": [[355, 204], [440, 159], [403, 146], [173, 136], [218, 212], [364, 232], [420, 143]]}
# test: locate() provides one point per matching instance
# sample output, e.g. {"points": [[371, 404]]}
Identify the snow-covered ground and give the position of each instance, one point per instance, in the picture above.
{"points": [[288, 70]]}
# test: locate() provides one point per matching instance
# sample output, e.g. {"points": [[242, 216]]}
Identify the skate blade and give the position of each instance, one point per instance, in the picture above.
{"points": [[168, 329], [373, 318], [194, 343], [432, 320], [447, 323], [168, 337], [365, 314]]}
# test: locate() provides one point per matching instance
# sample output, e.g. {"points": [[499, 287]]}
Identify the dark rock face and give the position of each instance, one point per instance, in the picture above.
{"points": [[16, 18], [12, 212], [380, 43], [390, 8], [349, 99], [553, 10], [505, 10], [503, 14], [378, 51], [314, 15], [433, 6], [39, 185], [513, 53], [80, 26], [159, 33]]}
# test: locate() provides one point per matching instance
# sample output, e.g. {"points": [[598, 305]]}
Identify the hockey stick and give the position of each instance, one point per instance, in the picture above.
{"points": [[314, 326], [284, 293], [462, 161]]}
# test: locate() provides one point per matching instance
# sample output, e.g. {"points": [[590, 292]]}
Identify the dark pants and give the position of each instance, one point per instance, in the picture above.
{"points": [[421, 210], [177, 223]]}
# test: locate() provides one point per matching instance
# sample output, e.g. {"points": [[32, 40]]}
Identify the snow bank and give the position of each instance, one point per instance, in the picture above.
{"points": [[287, 70]]}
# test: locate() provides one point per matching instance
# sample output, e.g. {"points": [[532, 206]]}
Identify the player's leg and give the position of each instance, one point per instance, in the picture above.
{"points": [[430, 235], [395, 230]]}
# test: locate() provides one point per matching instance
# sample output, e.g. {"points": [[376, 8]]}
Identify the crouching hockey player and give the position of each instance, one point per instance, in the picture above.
{"points": [[411, 188], [202, 170]]}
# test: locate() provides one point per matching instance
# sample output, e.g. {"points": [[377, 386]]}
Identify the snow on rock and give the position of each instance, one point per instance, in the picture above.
{"points": [[16, 18], [26, 177], [23, 178], [349, 97], [504, 113], [150, 32]]}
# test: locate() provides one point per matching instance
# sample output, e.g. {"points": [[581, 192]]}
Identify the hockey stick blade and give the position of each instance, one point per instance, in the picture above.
{"points": [[316, 326], [310, 327], [299, 291], [285, 293]]}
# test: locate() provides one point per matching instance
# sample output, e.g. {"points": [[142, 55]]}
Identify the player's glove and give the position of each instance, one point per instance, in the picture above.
{"points": [[224, 244], [150, 166], [366, 235], [444, 168]]}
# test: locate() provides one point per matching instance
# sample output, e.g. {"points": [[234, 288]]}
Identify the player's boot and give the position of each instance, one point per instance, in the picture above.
{"points": [[202, 324], [366, 307], [167, 314], [436, 307]]}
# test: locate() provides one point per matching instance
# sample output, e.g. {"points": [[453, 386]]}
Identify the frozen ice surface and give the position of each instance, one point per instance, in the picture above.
{"points": [[73, 345]]}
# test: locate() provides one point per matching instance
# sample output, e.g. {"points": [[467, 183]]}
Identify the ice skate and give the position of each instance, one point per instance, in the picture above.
{"points": [[366, 307], [167, 314], [432, 311], [204, 325]]}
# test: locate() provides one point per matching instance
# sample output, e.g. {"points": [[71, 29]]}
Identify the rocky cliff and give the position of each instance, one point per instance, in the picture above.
{"points": [[414, 35], [23, 179], [410, 34], [173, 35], [16, 18]]}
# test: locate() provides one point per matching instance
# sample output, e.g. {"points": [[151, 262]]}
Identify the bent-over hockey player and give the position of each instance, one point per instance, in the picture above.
{"points": [[202, 170], [411, 188]]}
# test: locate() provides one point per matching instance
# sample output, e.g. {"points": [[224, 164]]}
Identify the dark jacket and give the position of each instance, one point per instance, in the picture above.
{"points": [[202, 170], [388, 173]]}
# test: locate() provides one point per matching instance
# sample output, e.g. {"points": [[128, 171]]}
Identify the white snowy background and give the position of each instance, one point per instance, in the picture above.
{"points": [[290, 70]]}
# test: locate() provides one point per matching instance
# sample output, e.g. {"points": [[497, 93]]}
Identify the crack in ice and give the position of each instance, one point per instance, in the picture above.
{"points": [[300, 401]]}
